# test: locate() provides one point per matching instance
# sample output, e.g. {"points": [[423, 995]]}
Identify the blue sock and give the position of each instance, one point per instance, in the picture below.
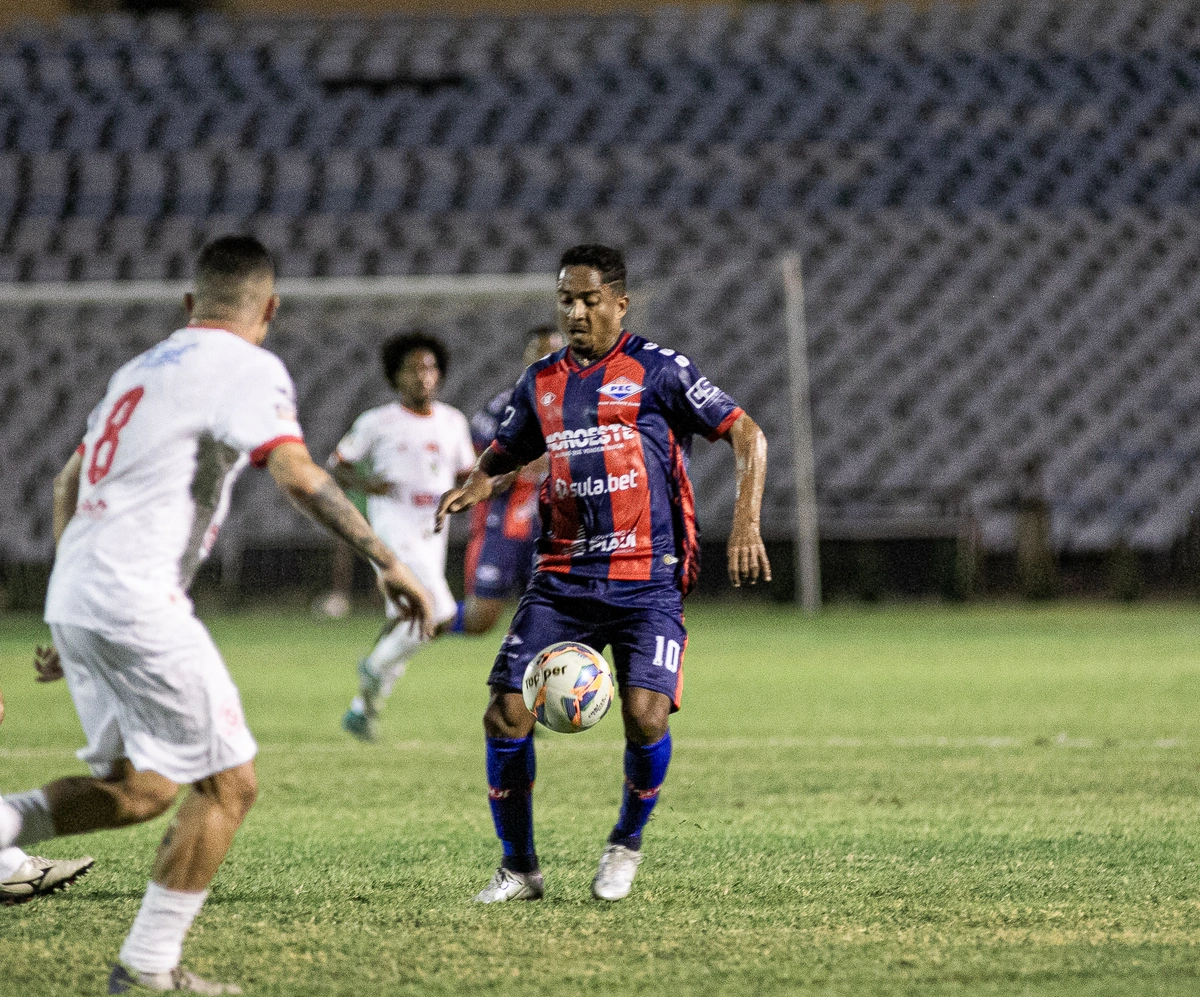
{"points": [[645, 770], [511, 766], [460, 611]]}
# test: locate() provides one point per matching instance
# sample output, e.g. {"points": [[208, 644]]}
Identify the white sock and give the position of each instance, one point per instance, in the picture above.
{"points": [[11, 860], [390, 657], [155, 942], [33, 814], [10, 825]]}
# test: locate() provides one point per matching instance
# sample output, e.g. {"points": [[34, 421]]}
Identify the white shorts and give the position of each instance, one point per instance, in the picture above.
{"points": [[433, 577], [163, 699]]}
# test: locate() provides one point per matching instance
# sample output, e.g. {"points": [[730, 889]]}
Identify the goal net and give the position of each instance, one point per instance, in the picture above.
{"points": [[65, 340]]}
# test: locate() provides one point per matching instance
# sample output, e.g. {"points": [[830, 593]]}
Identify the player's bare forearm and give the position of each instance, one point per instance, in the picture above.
{"points": [[316, 493], [493, 464], [503, 482], [747, 555], [66, 495], [353, 480]]}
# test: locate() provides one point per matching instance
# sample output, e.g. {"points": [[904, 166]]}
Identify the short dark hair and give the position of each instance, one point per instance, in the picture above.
{"points": [[605, 260], [226, 264], [398, 347], [538, 331]]}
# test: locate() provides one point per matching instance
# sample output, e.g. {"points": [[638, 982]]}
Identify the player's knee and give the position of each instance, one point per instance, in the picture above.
{"points": [[480, 615], [144, 796], [646, 719], [507, 717], [239, 791]]}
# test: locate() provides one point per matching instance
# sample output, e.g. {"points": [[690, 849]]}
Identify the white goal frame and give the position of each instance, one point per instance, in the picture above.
{"points": [[497, 286]]}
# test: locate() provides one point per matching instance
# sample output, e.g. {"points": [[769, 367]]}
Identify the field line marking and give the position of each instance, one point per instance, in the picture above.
{"points": [[696, 744]]}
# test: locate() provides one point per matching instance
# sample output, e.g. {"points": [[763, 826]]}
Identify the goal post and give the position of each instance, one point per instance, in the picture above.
{"points": [[807, 542]]}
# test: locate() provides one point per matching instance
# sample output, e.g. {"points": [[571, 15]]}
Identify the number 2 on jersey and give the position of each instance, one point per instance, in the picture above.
{"points": [[106, 446]]}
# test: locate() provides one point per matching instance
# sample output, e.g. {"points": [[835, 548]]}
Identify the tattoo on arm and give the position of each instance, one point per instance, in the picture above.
{"points": [[329, 506]]}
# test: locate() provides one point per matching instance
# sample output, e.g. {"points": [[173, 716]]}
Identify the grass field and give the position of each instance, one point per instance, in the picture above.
{"points": [[896, 801]]}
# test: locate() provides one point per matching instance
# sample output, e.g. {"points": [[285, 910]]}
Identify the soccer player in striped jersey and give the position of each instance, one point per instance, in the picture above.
{"points": [[618, 552]]}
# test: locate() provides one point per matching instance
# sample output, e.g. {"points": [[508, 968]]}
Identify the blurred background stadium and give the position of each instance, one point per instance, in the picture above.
{"points": [[993, 206]]}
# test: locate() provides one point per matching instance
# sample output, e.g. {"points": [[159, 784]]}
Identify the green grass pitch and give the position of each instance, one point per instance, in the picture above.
{"points": [[917, 800]]}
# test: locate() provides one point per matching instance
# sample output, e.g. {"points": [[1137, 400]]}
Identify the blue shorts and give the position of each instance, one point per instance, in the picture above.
{"points": [[643, 623], [502, 566]]}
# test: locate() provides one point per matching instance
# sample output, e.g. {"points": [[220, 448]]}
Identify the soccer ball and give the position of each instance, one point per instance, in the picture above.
{"points": [[568, 687]]}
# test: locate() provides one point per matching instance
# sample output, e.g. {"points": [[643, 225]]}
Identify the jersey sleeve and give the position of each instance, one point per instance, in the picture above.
{"points": [[259, 412], [483, 429], [693, 403], [520, 433], [357, 443]]}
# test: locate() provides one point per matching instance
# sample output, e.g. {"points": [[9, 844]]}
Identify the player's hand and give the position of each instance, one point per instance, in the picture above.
{"points": [[399, 584], [477, 488], [47, 664], [747, 556]]}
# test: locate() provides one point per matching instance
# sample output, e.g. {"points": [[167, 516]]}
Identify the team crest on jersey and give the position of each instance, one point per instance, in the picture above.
{"points": [[620, 389]]}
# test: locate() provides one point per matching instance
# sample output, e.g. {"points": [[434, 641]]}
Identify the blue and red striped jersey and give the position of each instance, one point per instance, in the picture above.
{"points": [[617, 503], [514, 511]]}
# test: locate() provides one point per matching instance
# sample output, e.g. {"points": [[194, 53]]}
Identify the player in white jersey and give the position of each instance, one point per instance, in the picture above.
{"points": [[413, 447], [136, 509]]}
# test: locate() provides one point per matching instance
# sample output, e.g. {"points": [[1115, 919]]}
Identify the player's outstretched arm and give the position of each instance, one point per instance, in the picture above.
{"points": [[315, 492], [747, 555], [66, 494], [492, 468]]}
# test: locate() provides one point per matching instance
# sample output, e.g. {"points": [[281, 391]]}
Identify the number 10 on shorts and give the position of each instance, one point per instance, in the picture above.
{"points": [[666, 654]]}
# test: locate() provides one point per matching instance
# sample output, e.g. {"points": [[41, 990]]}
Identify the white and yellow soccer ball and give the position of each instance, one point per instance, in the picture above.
{"points": [[568, 687]]}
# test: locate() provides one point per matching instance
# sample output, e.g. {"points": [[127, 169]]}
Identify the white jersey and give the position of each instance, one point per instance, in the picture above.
{"points": [[421, 457], [160, 456]]}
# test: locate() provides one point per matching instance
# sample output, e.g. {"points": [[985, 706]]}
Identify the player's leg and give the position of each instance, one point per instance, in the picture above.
{"points": [[541, 619], [380, 670], [165, 700], [480, 615], [500, 567], [188, 857], [648, 651], [116, 794]]}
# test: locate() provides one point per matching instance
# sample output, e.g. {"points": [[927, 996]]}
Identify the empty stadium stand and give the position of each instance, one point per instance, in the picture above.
{"points": [[994, 206]]}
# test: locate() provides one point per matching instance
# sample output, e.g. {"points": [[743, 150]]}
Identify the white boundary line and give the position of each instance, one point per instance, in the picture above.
{"points": [[700, 744]]}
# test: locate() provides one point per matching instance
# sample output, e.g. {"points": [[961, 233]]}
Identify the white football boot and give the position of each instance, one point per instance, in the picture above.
{"points": [[35, 877], [509, 885], [614, 878], [122, 980]]}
